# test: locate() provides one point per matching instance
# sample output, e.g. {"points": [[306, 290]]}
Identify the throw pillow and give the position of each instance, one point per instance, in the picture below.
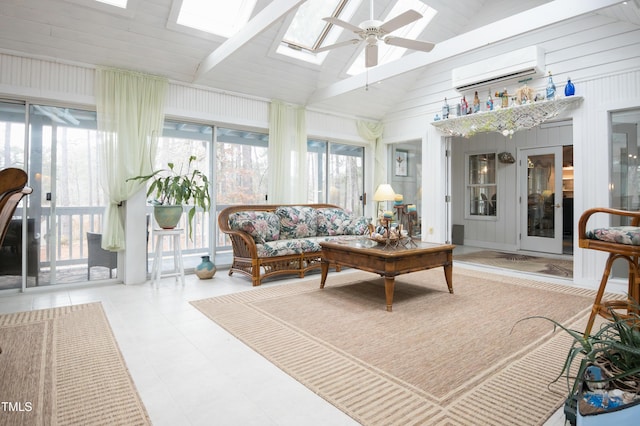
{"points": [[262, 226], [333, 221], [297, 222]]}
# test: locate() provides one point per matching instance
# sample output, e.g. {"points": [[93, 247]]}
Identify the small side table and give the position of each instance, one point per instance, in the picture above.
{"points": [[178, 268]]}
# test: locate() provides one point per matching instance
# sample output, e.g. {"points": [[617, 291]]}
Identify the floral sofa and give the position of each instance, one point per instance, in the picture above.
{"points": [[270, 240]]}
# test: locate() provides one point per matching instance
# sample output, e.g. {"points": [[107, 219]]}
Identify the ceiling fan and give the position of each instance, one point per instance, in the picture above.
{"points": [[373, 30]]}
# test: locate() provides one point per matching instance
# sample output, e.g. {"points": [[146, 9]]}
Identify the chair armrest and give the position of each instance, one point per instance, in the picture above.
{"points": [[584, 218], [243, 244]]}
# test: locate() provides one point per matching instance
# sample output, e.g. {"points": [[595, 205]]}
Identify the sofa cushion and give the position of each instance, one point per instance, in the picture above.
{"points": [[296, 246], [262, 226], [629, 235], [297, 222]]}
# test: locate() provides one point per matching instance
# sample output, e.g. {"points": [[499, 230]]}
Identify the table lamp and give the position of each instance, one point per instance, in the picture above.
{"points": [[384, 193]]}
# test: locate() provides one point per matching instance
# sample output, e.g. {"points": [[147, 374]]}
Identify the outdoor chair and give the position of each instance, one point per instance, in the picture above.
{"points": [[621, 242], [99, 256]]}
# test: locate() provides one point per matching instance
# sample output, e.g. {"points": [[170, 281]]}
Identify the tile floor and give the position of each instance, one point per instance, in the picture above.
{"points": [[187, 369]]}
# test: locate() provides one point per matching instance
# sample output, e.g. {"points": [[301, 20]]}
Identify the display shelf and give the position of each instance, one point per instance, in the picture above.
{"points": [[506, 120]]}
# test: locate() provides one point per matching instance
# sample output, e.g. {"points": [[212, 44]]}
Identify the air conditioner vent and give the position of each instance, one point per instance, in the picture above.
{"points": [[510, 66]]}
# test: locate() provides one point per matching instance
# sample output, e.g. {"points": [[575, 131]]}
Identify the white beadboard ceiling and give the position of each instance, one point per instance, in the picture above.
{"points": [[144, 39]]}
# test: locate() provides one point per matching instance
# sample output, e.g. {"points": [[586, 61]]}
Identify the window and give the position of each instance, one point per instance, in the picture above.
{"points": [[220, 17], [241, 167], [118, 3], [625, 160], [481, 185], [309, 31], [336, 174], [179, 141]]}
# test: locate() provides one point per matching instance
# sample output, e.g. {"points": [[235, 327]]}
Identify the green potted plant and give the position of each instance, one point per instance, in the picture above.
{"points": [[606, 387], [172, 189]]}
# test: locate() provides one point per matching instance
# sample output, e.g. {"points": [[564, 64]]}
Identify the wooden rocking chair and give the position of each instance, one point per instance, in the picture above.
{"points": [[12, 188]]}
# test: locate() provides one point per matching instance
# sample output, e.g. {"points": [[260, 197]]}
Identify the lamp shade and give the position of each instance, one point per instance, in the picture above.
{"points": [[384, 193]]}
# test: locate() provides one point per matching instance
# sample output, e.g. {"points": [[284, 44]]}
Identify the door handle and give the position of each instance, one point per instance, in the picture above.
{"points": [[558, 205]]}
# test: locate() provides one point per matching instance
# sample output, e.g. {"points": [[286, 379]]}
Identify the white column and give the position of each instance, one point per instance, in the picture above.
{"points": [[133, 261]]}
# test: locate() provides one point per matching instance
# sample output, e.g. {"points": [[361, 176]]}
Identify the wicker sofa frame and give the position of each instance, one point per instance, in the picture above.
{"points": [[245, 254]]}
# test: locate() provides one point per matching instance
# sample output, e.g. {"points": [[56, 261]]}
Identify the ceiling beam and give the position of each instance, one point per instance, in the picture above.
{"points": [[533, 19], [268, 16]]}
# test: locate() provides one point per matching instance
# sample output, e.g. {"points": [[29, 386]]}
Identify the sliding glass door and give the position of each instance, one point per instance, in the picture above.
{"points": [[12, 154], [335, 174]]}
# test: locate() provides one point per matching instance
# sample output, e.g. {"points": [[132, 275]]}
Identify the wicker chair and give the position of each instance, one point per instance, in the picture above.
{"points": [[622, 242]]}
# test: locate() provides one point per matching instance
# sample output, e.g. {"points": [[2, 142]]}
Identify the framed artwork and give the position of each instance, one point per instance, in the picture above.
{"points": [[401, 160]]}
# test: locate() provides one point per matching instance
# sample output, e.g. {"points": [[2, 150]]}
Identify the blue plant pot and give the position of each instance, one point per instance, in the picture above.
{"points": [[206, 269]]}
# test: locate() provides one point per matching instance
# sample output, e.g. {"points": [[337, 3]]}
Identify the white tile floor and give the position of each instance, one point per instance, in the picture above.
{"points": [[187, 369]]}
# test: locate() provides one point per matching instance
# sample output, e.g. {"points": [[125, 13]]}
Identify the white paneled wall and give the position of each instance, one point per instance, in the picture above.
{"points": [[39, 79]]}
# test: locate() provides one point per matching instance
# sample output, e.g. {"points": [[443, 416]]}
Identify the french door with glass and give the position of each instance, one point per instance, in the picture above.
{"points": [[541, 199]]}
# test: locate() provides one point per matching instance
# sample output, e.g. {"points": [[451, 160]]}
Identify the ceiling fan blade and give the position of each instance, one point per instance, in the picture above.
{"points": [[343, 24], [334, 46], [400, 21], [424, 46], [371, 55]]}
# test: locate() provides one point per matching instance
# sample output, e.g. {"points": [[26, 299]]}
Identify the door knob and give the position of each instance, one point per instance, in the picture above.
{"points": [[558, 205]]}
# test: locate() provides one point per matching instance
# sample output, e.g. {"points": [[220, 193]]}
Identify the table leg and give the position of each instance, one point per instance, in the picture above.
{"points": [[325, 270], [448, 275], [389, 284]]}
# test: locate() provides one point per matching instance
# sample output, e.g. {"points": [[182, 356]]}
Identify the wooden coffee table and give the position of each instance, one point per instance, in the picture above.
{"points": [[386, 261]]}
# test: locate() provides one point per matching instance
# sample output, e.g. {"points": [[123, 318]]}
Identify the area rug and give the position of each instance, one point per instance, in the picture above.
{"points": [[62, 366], [520, 262], [437, 359]]}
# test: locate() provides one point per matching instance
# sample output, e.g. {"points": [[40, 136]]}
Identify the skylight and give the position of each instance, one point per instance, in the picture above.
{"points": [[118, 3], [308, 31], [220, 17], [387, 53]]}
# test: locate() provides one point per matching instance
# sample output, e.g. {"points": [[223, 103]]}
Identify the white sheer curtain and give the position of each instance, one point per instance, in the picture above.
{"points": [[130, 109], [287, 154], [372, 132]]}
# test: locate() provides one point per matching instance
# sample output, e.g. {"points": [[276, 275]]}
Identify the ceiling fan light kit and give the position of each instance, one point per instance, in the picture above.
{"points": [[371, 31]]}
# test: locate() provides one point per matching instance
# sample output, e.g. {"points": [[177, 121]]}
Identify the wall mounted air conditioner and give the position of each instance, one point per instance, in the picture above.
{"points": [[527, 62]]}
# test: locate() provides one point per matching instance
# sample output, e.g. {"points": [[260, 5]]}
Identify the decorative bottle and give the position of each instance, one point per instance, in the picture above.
{"points": [[464, 106], [476, 103], [206, 269], [551, 89], [445, 110], [489, 102], [569, 89]]}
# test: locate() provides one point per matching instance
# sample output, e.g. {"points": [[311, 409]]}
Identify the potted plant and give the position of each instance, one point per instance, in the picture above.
{"points": [[606, 387], [172, 189]]}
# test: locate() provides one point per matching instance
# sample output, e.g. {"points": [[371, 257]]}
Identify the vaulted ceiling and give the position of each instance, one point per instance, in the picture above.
{"points": [[145, 38]]}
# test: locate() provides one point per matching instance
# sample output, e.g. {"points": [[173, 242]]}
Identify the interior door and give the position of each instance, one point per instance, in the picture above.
{"points": [[541, 199]]}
